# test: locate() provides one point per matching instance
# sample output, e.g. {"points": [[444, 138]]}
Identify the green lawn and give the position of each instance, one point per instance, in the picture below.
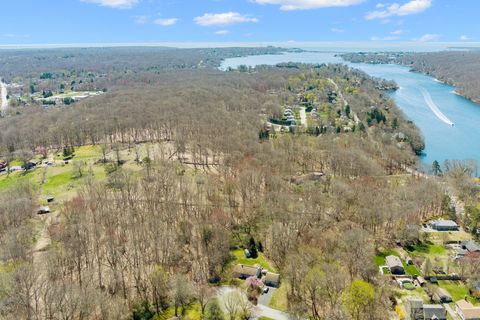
{"points": [[279, 298], [457, 290], [380, 261], [88, 153], [192, 312], [260, 260], [15, 178], [427, 248], [380, 257]]}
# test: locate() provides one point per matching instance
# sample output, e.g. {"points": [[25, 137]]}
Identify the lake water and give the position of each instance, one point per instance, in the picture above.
{"points": [[432, 105]]}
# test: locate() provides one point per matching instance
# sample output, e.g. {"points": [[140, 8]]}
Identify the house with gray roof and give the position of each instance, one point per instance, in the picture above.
{"points": [[395, 265], [444, 225]]}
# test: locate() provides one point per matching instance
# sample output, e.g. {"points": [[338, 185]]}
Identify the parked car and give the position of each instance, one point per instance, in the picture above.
{"points": [[266, 289]]}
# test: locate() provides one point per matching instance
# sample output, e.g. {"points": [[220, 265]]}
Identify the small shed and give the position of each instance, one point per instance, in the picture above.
{"points": [[421, 281], [44, 210], [395, 265], [442, 296]]}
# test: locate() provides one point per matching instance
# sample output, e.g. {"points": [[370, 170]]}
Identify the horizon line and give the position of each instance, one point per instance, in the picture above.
{"points": [[226, 44]]}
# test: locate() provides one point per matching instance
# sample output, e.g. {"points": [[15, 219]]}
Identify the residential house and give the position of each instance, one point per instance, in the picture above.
{"points": [[467, 311], [416, 310], [471, 246], [243, 272], [434, 312], [444, 225], [395, 265], [272, 279]]}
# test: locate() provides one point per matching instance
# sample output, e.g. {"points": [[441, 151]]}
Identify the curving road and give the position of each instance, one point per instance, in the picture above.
{"points": [[3, 96]]}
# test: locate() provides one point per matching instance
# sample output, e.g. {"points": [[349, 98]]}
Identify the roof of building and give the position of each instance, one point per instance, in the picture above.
{"points": [[445, 223], [443, 293], [393, 261], [272, 277], [469, 310], [471, 246], [246, 270], [434, 310], [415, 303]]}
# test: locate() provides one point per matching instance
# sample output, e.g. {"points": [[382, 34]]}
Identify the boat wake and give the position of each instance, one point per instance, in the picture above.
{"points": [[428, 100]]}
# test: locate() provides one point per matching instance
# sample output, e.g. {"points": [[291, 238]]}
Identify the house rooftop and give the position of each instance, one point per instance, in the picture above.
{"points": [[393, 261], [445, 223], [434, 311], [469, 310], [246, 270], [471, 246]]}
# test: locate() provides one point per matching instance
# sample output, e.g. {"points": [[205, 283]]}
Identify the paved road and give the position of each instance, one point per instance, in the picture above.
{"points": [[264, 311], [452, 313], [3, 96]]}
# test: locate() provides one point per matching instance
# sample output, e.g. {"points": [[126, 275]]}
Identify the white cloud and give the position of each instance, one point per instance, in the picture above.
{"points": [[395, 9], [397, 32], [289, 5], [118, 4], [222, 32], [428, 37], [223, 19], [464, 37], [336, 30], [166, 22]]}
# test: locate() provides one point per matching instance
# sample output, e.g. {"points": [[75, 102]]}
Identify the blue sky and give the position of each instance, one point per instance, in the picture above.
{"points": [[139, 21]]}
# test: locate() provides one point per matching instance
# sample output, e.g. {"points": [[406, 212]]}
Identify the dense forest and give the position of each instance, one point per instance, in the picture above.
{"points": [[458, 68], [187, 172]]}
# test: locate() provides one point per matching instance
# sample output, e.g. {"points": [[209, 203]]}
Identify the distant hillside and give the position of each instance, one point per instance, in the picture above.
{"points": [[458, 68]]}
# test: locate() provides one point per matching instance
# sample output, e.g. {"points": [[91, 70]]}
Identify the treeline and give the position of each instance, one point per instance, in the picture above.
{"points": [[138, 243], [51, 64], [457, 68]]}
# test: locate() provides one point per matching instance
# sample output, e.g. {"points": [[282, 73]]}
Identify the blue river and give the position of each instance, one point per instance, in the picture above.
{"points": [[449, 123]]}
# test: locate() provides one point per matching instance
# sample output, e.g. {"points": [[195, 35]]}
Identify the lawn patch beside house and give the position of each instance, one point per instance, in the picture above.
{"points": [[260, 260]]}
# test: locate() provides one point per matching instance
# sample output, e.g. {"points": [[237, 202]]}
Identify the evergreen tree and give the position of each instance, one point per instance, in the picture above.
{"points": [[252, 247]]}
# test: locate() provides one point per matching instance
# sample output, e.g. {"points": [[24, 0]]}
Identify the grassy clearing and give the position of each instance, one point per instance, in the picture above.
{"points": [[457, 290], [15, 178], [191, 312], [260, 260], [279, 298], [380, 261], [88, 153], [426, 248], [380, 257]]}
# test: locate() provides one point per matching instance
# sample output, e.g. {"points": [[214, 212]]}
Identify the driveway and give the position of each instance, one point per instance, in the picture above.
{"points": [[264, 311], [265, 298], [450, 311]]}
